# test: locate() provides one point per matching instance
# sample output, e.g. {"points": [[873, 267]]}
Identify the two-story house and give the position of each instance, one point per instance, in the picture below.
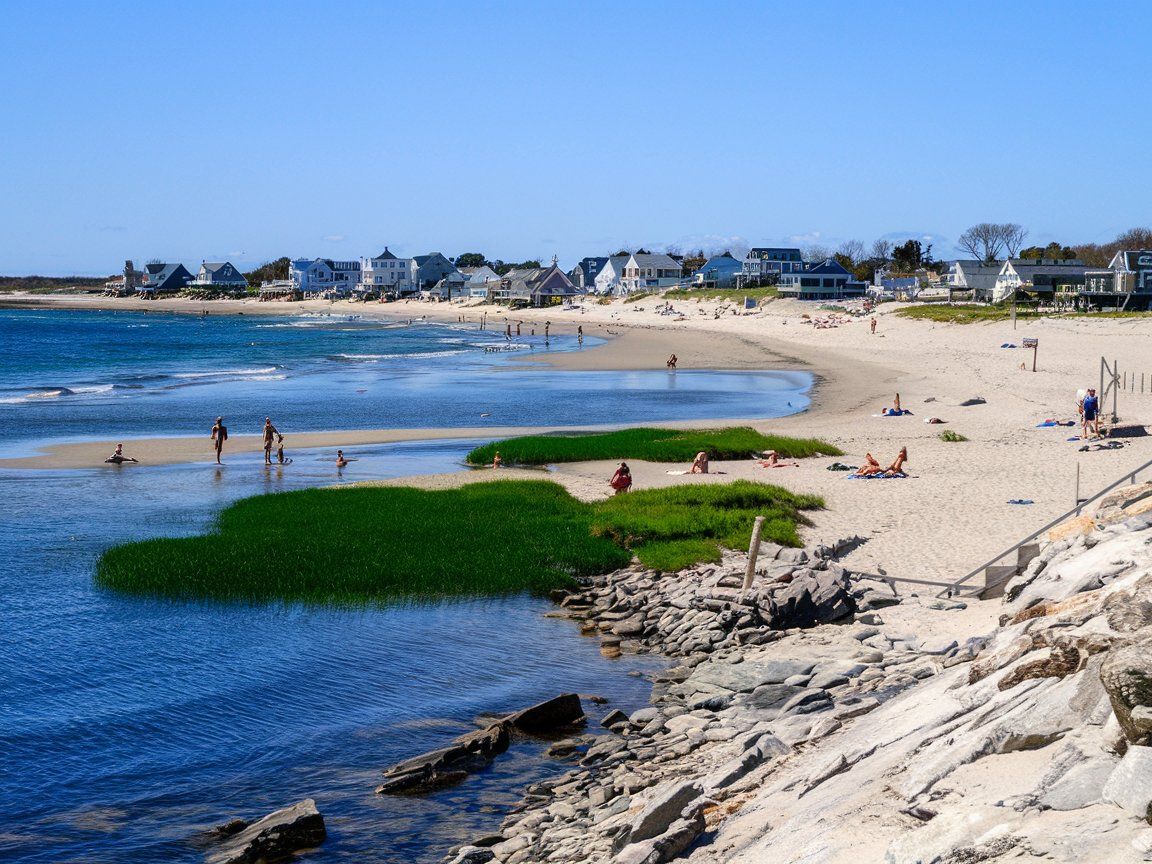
{"points": [[979, 277], [584, 274], [650, 272], [164, 279], [768, 263], [536, 286], [820, 280], [385, 274], [219, 276], [425, 271], [479, 282], [610, 275], [1047, 279], [719, 271], [323, 275], [1126, 283]]}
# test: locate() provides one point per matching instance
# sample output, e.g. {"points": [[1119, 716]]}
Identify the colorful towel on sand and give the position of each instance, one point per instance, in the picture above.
{"points": [[1021, 501], [895, 414], [900, 476]]}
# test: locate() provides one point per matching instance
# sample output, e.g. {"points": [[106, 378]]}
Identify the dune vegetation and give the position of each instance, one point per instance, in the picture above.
{"points": [[945, 313], [652, 445], [380, 545]]}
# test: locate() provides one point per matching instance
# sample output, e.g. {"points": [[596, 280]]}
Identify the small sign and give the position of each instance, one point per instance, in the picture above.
{"points": [[1031, 343]]}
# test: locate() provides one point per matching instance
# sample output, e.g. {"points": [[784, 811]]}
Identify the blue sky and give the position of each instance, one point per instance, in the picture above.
{"points": [[246, 131]]}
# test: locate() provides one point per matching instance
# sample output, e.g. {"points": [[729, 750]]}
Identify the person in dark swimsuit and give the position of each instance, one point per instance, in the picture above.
{"points": [[219, 436]]}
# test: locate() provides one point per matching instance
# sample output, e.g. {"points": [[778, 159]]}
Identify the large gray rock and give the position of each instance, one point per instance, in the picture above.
{"points": [[1127, 677], [765, 748], [743, 677], [1130, 784], [563, 710], [816, 597], [665, 807], [278, 835], [1082, 786]]}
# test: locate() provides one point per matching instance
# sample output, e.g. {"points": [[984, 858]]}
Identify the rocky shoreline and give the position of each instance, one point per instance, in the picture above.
{"points": [[814, 720]]}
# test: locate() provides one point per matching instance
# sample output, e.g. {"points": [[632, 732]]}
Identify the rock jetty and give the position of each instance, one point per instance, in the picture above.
{"points": [[809, 721]]}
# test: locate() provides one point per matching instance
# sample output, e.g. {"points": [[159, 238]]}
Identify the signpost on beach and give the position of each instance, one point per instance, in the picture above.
{"points": [[1033, 344]]}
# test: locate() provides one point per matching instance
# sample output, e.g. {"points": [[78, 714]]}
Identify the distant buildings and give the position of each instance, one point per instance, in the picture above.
{"points": [[769, 263], [479, 282], [535, 286], [825, 280], [1126, 283], [1047, 279], [165, 278], [219, 276], [719, 271], [386, 274], [324, 275], [425, 271], [611, 275], [584, 274], [649, 272], [975, 276]]}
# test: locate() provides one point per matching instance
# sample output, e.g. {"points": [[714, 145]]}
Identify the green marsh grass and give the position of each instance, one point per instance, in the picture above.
{"points": [[961, 314], [732, 295], [652, 445], [374, 546]]}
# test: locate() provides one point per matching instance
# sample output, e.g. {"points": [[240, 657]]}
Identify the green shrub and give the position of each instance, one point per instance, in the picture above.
{"points": [[950, 436], [653, 445]]}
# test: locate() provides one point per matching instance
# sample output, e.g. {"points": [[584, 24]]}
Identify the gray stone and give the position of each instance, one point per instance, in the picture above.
{"points": [[1127, 677], [939, 646], [768, 696], [613, 718], [1081, 786], [811, 699], [747, 676], [563, 710], [644, 716], [474, 855], [663, 809], [827, 680], [278, 835], [1130, 783]]}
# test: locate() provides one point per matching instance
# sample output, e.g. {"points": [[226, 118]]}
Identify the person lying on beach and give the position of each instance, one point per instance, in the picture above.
{"points": [[622, 480], [699, 464], [270, 432], [870, 467], [219, 436], [772, 460], [340, 460], [118, 457]]}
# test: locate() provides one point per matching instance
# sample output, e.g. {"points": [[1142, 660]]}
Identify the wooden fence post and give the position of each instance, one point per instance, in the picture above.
{"points": [[753, 552]]}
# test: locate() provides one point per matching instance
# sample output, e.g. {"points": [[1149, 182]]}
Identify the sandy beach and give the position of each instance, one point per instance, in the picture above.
{"points": [[957, 497]]}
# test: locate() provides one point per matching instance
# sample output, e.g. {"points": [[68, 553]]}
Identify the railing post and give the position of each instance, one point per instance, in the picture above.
{"points": [[753, 552]]}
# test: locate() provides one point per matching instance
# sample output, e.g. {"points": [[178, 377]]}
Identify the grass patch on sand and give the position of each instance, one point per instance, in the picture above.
{"points": [[380, 545], [678, 526], [952, 437], [963, 314], [651, 445], [731, 295]]}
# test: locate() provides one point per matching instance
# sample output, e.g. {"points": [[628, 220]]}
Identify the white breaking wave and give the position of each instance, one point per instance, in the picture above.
{"points": [[226, 372]]}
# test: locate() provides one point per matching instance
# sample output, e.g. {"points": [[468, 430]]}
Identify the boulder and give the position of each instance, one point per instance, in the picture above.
{"points": [[1081, 786], [563, 710], [1127, 677], [743, 677], [613, 718], [1130, 783], [664, 808], [818, 597], [278, 835]]}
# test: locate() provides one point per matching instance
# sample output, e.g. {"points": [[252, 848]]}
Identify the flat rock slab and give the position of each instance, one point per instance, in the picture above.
{"points": [[744, 677], [563, 710], [278, 835], [1130, 783]]}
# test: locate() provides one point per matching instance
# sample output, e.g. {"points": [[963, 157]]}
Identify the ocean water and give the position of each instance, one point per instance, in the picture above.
{"points": [[128, 726]]}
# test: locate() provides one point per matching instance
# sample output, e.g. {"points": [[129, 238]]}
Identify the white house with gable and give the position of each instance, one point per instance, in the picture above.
{"points": [[386, 274]]}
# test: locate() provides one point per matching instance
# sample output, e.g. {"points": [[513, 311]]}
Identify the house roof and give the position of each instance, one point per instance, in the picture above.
{"points": [[386, 256], [656, 260], [213, 266], [977, 268], [828, 266], [721, 262], [1130, 260], [1026, 267]]}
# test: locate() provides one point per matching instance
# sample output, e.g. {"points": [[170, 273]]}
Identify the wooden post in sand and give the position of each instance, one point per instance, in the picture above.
{"points": [[753, 551]]}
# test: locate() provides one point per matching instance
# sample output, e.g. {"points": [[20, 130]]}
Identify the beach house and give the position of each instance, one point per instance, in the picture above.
{"points": [[536, 286], [385, 274], [611, 274], [427, 270], [479, 281], [978, 277], [324, 276], [162, 278], [219, 277], [719, 271], [768, 263], [1126, 283], [1048, 280], [649, 272], [584, 274], [820, 280]]}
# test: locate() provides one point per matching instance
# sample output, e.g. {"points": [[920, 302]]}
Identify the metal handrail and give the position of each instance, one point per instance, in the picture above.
{"points": [[1129, 478]]}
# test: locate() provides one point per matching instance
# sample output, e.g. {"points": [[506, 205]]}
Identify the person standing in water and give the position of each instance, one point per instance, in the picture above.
{"points": [[340, 460], [219, 436], [270, 434]]}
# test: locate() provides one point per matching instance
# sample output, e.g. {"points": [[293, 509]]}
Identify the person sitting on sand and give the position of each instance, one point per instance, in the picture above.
{"points": [[270, 432], [219, 436], [772, 460], [340, 460], [118, 457], [497, 462], [622, 480], [699, 464]]}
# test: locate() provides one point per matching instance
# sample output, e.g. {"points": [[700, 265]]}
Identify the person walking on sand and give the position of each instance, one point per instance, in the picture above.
{"points": [[1090, 415], [270, 434], [622, 480], [219, 436], [672, 361], [872, 324]]}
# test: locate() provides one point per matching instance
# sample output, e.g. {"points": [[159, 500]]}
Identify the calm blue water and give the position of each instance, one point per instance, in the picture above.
{"points": [[127, 725]]}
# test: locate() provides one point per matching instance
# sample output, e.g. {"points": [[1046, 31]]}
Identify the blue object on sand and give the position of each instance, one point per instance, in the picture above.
{"points": [[1021, 501], [899, 476], [1046, 424], [1074, 438], [1007, 345]]}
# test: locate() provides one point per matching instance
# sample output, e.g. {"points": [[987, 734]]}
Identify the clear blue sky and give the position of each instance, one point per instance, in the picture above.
{"points": [[208, 130]]}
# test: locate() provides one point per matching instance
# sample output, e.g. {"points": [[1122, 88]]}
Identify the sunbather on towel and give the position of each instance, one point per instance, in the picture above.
{"points": [[870, 467], [700, 464], [772, 460]]}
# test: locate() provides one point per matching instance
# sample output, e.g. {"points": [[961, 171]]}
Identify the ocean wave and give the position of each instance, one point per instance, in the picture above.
{"points": [[227, 373], [375, 358]]}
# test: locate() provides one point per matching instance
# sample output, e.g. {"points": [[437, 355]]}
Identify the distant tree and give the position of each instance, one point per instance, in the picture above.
{"points": [[1013, 235], [983, 242], [816, 253], [1052, 250], [471, 259], [852, 251], [1135, 239], [907, 257], [269, 271], [1093, 254], [620, 252], [155, 261], [642, 251], [881, 251], [694, 261]]}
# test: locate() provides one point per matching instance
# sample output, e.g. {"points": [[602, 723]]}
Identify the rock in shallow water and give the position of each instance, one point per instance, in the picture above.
{"points": [[275, 837]]}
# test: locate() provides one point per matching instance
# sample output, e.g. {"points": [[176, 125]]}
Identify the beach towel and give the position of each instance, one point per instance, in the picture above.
{"points": [[899, 476], [1021, 501], [1007, 345], [895, 413]]}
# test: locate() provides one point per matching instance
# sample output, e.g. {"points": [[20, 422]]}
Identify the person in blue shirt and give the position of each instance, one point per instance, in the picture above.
{"points": [[1090, 415]]}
